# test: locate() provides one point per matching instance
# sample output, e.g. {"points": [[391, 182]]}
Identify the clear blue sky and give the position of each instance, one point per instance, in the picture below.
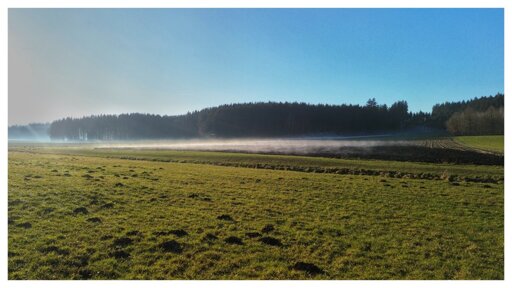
{"points": [[79, 62]]}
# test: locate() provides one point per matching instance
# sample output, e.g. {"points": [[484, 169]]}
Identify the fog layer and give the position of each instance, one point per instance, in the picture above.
{"points": [[293, 146]]}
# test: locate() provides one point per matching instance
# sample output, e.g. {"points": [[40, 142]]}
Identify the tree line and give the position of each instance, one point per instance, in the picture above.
{"points": [[479, 116], [441, 113], [482, 115], [474, 122], [262, 119], [123, 127], [33, 131]]}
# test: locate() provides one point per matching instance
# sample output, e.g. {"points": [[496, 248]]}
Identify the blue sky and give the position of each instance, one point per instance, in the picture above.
{"points": [[76, 62]]}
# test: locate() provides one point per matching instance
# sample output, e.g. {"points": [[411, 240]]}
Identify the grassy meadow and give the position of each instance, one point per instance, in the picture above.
{"points": [[492, 143], [77, 213]]}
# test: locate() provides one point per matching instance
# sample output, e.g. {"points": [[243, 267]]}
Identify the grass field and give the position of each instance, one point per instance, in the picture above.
{"points": [[89, 214], [274, 162], [494, 143]]}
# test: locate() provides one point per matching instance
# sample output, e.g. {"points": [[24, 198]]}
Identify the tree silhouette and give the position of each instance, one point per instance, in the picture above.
{"points": [[278, 119]]}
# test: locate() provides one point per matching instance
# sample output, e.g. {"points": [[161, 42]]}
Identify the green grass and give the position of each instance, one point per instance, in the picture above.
{"points": [[349, 226], [266, 161], [494, 143]]}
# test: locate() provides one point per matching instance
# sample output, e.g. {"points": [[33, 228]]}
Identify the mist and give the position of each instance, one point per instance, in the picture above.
{"points": [[261, 145]]}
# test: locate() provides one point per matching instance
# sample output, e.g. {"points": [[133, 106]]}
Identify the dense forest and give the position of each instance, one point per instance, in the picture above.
{"points": [[239, 120], [482, 115], [474, 122], [441, 113], [479, 116]]}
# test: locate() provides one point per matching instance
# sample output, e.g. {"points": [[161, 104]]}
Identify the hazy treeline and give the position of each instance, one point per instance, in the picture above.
{"points": [[35, 131], [124, 126], [478, 116], [238, 120]]}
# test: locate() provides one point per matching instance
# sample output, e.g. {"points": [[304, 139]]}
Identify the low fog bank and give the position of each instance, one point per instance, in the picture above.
{"points": [[282, 145], [380, 148]]}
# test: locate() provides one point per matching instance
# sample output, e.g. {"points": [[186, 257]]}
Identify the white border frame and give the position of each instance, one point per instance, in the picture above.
{"points": [[506, 4]]}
